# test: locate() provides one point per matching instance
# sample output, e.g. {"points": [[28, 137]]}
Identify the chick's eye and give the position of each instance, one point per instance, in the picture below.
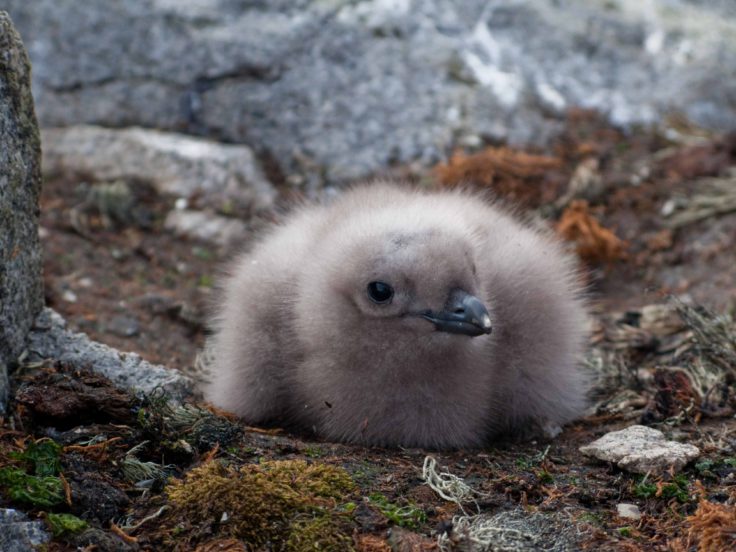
{"points": [[380, 292]]}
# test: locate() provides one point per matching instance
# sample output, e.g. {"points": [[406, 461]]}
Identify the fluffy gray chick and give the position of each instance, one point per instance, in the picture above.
{"points": [[402, 318]]}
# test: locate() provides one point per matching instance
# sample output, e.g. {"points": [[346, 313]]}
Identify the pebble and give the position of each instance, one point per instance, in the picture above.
{"points": [[124, 326], [628, 511]]}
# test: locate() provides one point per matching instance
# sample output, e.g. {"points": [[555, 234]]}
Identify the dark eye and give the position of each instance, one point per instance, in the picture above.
{"points": [[380, 292]]}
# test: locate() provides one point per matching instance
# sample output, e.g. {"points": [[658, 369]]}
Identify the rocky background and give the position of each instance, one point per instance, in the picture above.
{"points": [[172, 131]]}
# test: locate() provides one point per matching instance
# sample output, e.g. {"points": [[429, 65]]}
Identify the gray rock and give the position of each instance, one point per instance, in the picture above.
{"points": [[343, 88], [641, 449], [206, 226], [18, 533], [123, 326], [172, 163], [49, 338], [21, 284]]}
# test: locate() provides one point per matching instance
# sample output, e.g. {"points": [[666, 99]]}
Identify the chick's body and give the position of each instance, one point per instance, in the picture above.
{"points": [[300, 338]]}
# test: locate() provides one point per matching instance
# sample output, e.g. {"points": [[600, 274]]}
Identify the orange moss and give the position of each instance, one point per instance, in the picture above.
{"points": [[712, 527], [222, 545], [507, 172], [594, 242], [372, 543]]}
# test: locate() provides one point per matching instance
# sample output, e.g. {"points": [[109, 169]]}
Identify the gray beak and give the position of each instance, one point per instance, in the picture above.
{"points": [[463, 314]]}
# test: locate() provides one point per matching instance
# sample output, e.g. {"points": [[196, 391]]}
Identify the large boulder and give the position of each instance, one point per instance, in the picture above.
{"points": [[21, 285], [344, 88]]}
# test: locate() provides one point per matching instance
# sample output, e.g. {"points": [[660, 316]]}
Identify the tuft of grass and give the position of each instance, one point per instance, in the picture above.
{"points": [[290, 502], [409, 516]]}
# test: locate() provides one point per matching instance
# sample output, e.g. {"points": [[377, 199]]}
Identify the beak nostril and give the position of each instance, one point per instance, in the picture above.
{"points": [[459, 311]]}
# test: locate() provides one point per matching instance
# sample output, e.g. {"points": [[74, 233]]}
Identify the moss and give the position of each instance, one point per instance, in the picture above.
{"points": [[42, 491], [323, 532], [35, 483], [677, 488], [292, 503], [65, 524], [42, 457], [405, 516]]}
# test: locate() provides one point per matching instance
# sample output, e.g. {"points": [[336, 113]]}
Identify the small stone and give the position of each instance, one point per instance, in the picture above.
{"points": [[206, 226], [69, 296], [124, 326], [628, 511], [641, 449]]}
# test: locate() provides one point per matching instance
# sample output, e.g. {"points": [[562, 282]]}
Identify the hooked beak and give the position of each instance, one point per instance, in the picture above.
{"points": [[464, 314]]}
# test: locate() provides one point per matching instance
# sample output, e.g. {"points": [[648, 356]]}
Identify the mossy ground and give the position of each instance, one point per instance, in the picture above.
{"points": [[146, 477]]}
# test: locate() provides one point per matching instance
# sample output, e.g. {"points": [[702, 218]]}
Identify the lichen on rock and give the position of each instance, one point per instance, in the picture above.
{"points": [[21, 285]]}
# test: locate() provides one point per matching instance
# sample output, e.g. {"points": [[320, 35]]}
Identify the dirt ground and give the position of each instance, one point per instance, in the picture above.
{"points": [[649, 214]]}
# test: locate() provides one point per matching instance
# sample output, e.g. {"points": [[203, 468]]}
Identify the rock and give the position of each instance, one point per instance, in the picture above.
{"points": [[97, 539], [641, 449], [123, 326], [628, 511], [346, 88], [202, 225], [21, 284], [220, 174], [49, 338], [18, 533]]}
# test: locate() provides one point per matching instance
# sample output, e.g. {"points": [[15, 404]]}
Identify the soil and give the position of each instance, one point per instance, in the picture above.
{"points": [[131, 284]]}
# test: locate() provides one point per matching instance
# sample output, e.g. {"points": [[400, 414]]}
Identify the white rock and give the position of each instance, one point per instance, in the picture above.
{"points": [[628, 511], [209, 227], [641, 449], [172, 163]]}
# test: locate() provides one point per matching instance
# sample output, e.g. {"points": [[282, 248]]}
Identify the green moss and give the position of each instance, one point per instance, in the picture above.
{"points": [[545, 477], [42, 491], [645, 490], [41, 457], [405, 516], [314, 452], [288, 502], [677, 488], [35, 483], [624, 531], [593, 518], [206, 281], [64, 524]]}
